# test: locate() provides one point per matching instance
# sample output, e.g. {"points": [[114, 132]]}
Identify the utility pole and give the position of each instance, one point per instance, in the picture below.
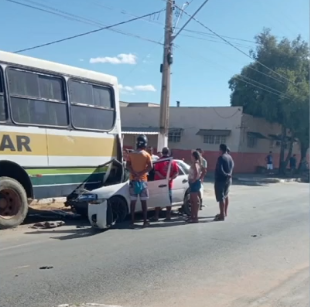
{"points": [[165, 69], [166, 73]]}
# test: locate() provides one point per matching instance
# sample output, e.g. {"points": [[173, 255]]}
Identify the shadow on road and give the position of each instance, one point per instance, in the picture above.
{"points": [[178, 221], [68, 234], [84, 231]]}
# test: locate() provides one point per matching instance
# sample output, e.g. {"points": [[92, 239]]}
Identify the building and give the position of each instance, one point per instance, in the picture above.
{"points": [[250, 139]]}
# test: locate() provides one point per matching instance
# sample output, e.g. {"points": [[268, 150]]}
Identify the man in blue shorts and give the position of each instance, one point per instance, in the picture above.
{"points": [[139, 164]]}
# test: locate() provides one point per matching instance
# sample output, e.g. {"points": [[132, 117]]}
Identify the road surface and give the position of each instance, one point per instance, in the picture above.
{"points": [[258, 257]]}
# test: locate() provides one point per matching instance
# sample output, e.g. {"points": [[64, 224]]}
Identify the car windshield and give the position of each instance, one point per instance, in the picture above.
{"points": [[184, 166]]}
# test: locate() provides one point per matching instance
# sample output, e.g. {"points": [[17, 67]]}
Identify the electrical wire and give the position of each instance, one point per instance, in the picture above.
{"points": [[247, 80], [161, 24], [76, 36], [210, 39], [85, 20], [190, 18], [235, 47]]}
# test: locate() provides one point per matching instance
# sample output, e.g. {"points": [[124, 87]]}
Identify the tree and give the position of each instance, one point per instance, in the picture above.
{"points": [[274, 86]]}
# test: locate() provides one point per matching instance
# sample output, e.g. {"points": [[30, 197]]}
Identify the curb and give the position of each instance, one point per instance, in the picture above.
{"points": [[267, 180]]}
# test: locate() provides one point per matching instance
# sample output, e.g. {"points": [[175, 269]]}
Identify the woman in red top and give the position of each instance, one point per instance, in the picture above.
{"points": [[161, 169]]}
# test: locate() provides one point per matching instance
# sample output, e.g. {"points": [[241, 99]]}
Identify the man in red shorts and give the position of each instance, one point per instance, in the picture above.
{"points": [[161, 169]]}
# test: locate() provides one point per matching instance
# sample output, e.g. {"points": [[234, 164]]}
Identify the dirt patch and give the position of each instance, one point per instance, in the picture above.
{"points": [[50, 206]]}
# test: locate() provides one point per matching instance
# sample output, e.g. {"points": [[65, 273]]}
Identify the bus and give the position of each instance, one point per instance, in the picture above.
{"points": [[57, 124]]}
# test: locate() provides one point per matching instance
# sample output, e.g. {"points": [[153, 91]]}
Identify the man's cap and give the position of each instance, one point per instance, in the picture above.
{"points": [[165, 151]]}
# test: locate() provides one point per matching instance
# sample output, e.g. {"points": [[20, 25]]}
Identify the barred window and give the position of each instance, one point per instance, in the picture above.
{"points": [[174, 136], [251, 141], [214, 139]]}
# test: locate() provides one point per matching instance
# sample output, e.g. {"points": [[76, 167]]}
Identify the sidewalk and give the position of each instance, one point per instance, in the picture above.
{"points": [[256, 178]]}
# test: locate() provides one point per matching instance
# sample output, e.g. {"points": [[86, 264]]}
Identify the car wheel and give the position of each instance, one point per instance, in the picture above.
{"points": [[119, 208], [187, 208], [187, 204]]}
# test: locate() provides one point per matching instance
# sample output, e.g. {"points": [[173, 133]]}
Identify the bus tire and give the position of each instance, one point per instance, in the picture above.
{"points": [[13, 203]]}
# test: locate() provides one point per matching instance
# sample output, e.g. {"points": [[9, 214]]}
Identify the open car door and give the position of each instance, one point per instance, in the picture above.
{"points": [[159, 189], [112, 172]]}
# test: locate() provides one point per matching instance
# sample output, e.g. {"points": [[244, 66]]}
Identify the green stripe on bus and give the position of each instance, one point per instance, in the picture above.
{"points": [[66, 179], [51, 171]]}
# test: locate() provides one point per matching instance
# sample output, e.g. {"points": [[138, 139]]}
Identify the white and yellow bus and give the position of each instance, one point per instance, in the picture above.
{"points": [[57, 124]]}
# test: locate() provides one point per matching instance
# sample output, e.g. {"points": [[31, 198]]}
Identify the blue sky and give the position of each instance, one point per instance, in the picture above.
{"points": [[203, 64]]}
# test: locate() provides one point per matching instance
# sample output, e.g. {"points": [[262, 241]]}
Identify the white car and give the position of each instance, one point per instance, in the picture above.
{"points": [[110, 203]]}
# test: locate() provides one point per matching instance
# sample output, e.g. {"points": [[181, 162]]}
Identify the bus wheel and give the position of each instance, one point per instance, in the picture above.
{"points": [[13, 203]]}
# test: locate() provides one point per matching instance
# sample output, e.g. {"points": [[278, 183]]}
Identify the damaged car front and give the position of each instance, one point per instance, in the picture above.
{"points": [[104, 202]]}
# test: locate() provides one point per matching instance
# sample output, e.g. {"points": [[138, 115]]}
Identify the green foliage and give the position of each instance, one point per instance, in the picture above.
{"points": [[275, 85]]}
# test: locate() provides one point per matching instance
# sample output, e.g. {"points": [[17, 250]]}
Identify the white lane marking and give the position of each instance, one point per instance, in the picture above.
{"points": [[22, 267], [20, 245], [88, 305]]}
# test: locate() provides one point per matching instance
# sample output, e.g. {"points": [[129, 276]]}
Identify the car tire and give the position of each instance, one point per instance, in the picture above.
{"points": [[186, 204], [187, 208], [119, 208]]}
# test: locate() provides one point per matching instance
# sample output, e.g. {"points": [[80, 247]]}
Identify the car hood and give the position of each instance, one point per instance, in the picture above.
{"points": [[108, 191]]}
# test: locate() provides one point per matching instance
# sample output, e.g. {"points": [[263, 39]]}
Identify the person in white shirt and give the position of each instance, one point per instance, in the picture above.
{"points": [[150, 151]]}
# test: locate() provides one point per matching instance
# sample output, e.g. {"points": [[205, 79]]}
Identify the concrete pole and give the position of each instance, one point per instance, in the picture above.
{"points": [[166, 72]]}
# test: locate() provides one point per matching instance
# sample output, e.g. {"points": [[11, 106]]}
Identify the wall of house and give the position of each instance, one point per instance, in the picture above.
{"points": [[129, 140], [190, 119], [252, 156]]}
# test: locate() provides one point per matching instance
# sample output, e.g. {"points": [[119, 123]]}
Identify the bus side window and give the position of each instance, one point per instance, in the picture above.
{"points": [[92, 106], [3, 109], [37, 99]]}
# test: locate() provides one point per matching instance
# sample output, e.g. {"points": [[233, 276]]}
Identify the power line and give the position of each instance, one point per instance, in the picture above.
{"points": [[250, 81], [82, 19], [232, 45], [161, 24], [77, 18], [190, 18], [211, 39], [84, 33]]}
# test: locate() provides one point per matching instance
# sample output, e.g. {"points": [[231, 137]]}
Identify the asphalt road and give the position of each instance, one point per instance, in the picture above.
{"points": [[258, 257]]}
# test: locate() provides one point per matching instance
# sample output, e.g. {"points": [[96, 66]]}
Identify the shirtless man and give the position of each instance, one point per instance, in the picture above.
{"points": [[139, 164]]}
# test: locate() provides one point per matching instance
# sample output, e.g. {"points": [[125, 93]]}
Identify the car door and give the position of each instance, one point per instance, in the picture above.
{"points": [[159, 189], [179, 186]]}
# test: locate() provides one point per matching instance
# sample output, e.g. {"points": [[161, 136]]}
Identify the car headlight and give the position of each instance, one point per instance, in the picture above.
{"points": [[91, 199]]}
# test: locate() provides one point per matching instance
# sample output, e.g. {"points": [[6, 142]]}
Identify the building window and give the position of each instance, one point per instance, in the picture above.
{"points": [[251, 141], [92, 106], [37, 99], [214, 139], [174, 136]]}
